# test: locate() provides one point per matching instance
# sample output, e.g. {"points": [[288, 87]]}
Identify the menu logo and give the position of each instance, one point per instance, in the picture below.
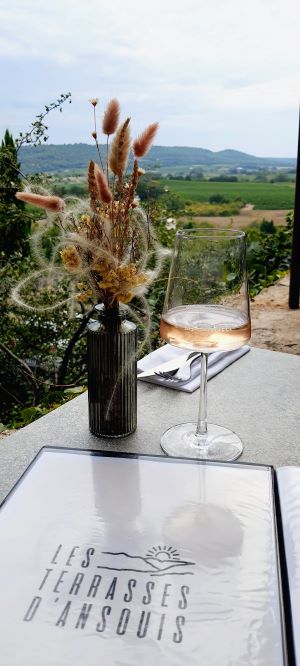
{"points": [[113, 594], [158, 561]]}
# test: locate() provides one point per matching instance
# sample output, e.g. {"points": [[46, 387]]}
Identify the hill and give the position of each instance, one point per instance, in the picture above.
{"points": [[58, 158]]}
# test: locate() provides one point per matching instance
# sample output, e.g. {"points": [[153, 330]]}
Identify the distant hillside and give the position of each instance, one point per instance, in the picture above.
{"points": [[56, 158]]}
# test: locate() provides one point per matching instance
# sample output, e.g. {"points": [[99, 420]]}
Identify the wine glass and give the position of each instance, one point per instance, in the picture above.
{"points": [[206, 309]]}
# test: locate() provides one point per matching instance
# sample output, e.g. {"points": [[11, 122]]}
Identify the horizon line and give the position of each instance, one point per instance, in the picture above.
{"points": [[236, 150]]}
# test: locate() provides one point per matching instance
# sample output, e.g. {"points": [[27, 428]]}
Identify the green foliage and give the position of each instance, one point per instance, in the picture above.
{"points": [[213, 209], [173, 202], [67, 189], [156, 299], [21, 417], [280, 178], [267, 227], [9, 171], [150, 189], [159, 215], [194, 174], [217, 199], [223, 179], [34, 345], [38, 338], [268, 255], [14, 230], [14, 222], [189, 225]]}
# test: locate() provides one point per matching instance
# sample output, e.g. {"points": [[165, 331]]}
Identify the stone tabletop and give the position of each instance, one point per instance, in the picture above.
{"points": [[258, 397]]}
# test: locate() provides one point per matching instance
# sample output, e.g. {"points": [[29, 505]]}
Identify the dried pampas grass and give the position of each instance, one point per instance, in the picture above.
{"points": [[92, 186], [142, 143], [54, 204], [119, 150], [105, 243], [104, 192], [111, 117]]}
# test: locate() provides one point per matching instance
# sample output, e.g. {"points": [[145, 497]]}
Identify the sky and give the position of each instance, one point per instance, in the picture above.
{"points": [[215, 74]]}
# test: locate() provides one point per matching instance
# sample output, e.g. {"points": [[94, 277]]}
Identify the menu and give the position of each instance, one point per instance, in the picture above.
{"points": [[126, 560]]}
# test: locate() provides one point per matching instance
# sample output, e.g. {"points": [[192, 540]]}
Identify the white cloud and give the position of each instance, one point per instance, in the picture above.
{"points": [[18, 50], [167, 33], [181, 62], [276, 94]]}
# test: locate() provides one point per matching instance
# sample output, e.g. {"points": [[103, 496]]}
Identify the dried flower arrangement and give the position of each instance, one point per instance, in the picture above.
{"points": [[105, 242]]}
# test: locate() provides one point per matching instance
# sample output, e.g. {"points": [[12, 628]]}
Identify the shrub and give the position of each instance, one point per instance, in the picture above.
{"points": [[267, 227], [217, 199], [268, 255]]}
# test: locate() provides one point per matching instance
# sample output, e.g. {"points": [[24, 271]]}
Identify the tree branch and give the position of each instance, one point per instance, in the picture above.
{"points": [[25, 369], [70, 346], [8, 159], [11, 395], [62, 387]]}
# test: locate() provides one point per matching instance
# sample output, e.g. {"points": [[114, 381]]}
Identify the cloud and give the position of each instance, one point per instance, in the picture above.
{"points": [[172, 61], [210, 36], [21, 51], [276, 94]]}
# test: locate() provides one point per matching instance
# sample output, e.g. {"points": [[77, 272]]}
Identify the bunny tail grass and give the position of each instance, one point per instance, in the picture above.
{"points": [[111, 117], [142, 143], [104, 192], [55, 204], [119, 150]]}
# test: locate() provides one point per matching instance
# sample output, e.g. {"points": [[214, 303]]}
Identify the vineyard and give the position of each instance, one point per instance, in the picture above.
{"points": [[264, 196]]}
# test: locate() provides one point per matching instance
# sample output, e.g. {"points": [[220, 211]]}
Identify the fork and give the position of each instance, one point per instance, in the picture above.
{"points": [[180, 374]]}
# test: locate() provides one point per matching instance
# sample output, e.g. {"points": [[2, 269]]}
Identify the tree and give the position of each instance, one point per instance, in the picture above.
{"points": [[14, 222], [149, 188]]}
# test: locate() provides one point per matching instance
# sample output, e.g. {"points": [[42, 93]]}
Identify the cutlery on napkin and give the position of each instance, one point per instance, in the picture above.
{"points": [[168, 357], [174, 363]]}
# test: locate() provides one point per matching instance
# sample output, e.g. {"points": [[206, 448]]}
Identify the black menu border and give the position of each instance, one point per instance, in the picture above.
{"points": [[283, 585]]}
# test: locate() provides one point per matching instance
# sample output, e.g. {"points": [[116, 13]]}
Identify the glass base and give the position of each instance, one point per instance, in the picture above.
{"points": [[218, 443]]}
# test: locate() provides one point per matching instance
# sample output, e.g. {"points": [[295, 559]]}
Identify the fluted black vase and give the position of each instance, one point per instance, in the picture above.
{"points": [[112, 383]]}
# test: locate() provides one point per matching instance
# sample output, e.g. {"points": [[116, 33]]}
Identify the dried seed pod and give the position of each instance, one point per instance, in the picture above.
{"points": [[142, 143], [55, 204], [111, 117], [104, 192], [93, 190], [119, 150]]}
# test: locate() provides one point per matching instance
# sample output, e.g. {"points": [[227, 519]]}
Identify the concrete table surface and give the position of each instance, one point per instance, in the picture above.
{"points": [[258, 397]]}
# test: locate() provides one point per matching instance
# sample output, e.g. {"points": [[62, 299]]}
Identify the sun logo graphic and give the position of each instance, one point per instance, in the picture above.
{"points": [[163, 554], [158, 561]]}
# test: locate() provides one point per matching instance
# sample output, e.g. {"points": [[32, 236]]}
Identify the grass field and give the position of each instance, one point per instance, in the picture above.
{"points": [[264, 196]]}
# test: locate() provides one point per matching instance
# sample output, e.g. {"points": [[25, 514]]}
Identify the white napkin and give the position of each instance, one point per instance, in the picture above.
{"points": [[217, 361]]}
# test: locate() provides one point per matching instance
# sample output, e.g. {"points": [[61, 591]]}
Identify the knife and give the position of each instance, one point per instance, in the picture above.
{"points": [[172, 364]]}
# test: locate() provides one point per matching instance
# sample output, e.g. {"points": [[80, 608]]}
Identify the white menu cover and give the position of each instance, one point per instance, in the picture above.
{"points": [[126, 561], [289, 492]]}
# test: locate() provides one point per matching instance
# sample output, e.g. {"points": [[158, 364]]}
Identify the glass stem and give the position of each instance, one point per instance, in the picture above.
{"points": [[202, 416]]}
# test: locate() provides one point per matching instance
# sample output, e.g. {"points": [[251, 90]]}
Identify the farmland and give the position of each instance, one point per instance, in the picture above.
{"points": [[263, 196]]}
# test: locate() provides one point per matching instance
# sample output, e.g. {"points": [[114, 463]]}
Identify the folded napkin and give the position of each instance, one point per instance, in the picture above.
{"points": [[217, 361]]}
